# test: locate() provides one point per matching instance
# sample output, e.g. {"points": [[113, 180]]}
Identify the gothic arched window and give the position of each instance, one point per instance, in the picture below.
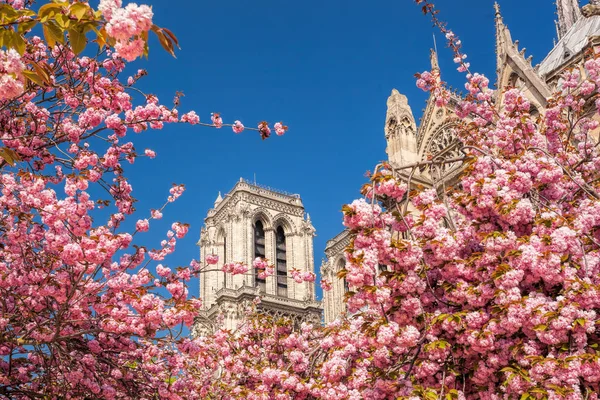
{"points": [[259, 251], [281, 262]]}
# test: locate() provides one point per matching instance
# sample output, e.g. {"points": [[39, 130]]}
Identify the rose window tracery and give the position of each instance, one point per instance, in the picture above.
{"points": [[444, 145]]}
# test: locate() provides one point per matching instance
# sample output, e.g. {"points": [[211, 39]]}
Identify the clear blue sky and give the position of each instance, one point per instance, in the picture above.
{"points": [[325, 68]]}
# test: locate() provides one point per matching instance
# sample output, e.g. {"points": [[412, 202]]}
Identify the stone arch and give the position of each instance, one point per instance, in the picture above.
{"points": [[263, 215], [513, 78], [339, 263], [221, 234], [285, 222]]}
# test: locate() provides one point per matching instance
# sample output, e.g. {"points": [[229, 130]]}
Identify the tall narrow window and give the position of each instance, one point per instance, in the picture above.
{"points": [[259, 251], [281, 263]]}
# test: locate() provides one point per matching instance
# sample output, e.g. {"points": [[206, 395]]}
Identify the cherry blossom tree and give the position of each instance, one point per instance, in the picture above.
{"points": [[487, 289], [86, 311]]}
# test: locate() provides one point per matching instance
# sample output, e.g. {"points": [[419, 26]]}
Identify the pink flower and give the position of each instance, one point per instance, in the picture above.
{"points": [[142, 225], [237, 127], [127, 22], [212, 259], [191, 117], [180, 229], [162, 271], [107, 7], [150, 153], [176, 191], [264, 130], [235, 268], [156, 214], [326, 285], [279, 128], [130, 49], [216, 120], [11, 74]]}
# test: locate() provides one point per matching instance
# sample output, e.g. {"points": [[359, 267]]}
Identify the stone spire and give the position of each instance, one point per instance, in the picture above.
{"points": [[218, 200], [435, 66], [503, 39], [568, 12]]}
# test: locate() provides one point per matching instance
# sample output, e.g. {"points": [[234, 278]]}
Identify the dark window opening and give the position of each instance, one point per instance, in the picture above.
{"points": [[259, 251], [281, 262]]}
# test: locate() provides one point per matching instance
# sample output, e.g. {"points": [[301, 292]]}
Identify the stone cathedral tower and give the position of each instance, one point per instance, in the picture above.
{"points": [[256, 221]]}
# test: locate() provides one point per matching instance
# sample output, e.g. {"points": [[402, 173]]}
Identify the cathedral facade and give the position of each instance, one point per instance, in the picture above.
{"points": [[255, 221], [578, 34]]}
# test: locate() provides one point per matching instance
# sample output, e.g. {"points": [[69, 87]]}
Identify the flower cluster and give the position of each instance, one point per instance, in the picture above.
{"points": [[11, 74], [127, 25]]}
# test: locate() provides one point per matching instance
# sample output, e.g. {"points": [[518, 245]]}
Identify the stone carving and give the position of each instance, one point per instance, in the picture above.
{"points": [[591, 9], [445, 145]]}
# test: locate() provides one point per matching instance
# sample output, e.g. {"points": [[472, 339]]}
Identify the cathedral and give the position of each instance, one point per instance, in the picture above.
{"points": [[255, 221], [577, 31]]}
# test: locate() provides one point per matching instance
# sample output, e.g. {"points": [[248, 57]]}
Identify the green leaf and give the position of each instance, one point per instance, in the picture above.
{"points": [[79, 10], [53, 33], [49, 10], [26, 25], [33, 77], [580, 322], [16, 41], [9, 155], [8, 14], [77, 39], [63, 21], [171, 380], [25, 12]]}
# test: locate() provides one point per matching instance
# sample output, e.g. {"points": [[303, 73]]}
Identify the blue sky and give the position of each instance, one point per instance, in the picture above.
{"points": [[325, 68]]}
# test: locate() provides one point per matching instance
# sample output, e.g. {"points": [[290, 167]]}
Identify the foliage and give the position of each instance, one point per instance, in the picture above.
{"points": [[81, 314]]}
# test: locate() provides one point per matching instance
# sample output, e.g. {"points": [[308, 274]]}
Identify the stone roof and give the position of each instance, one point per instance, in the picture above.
{"points": [[573, 42]]}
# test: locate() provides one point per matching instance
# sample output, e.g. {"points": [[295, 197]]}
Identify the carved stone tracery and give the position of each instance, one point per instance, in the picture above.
{"points": [[444, 145]]}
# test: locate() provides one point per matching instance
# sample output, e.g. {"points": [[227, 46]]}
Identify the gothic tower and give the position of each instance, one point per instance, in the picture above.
{"points": [[400, 130], [255, 221]]}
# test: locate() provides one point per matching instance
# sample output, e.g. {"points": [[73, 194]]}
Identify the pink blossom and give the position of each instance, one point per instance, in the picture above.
{"points": [[237, 127], [11, 74], [264, 130], [212, 259], [130, 49], [149, 153], [216, 120], [142, 225], [280, 128], [107, 7], [191, 117]]}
